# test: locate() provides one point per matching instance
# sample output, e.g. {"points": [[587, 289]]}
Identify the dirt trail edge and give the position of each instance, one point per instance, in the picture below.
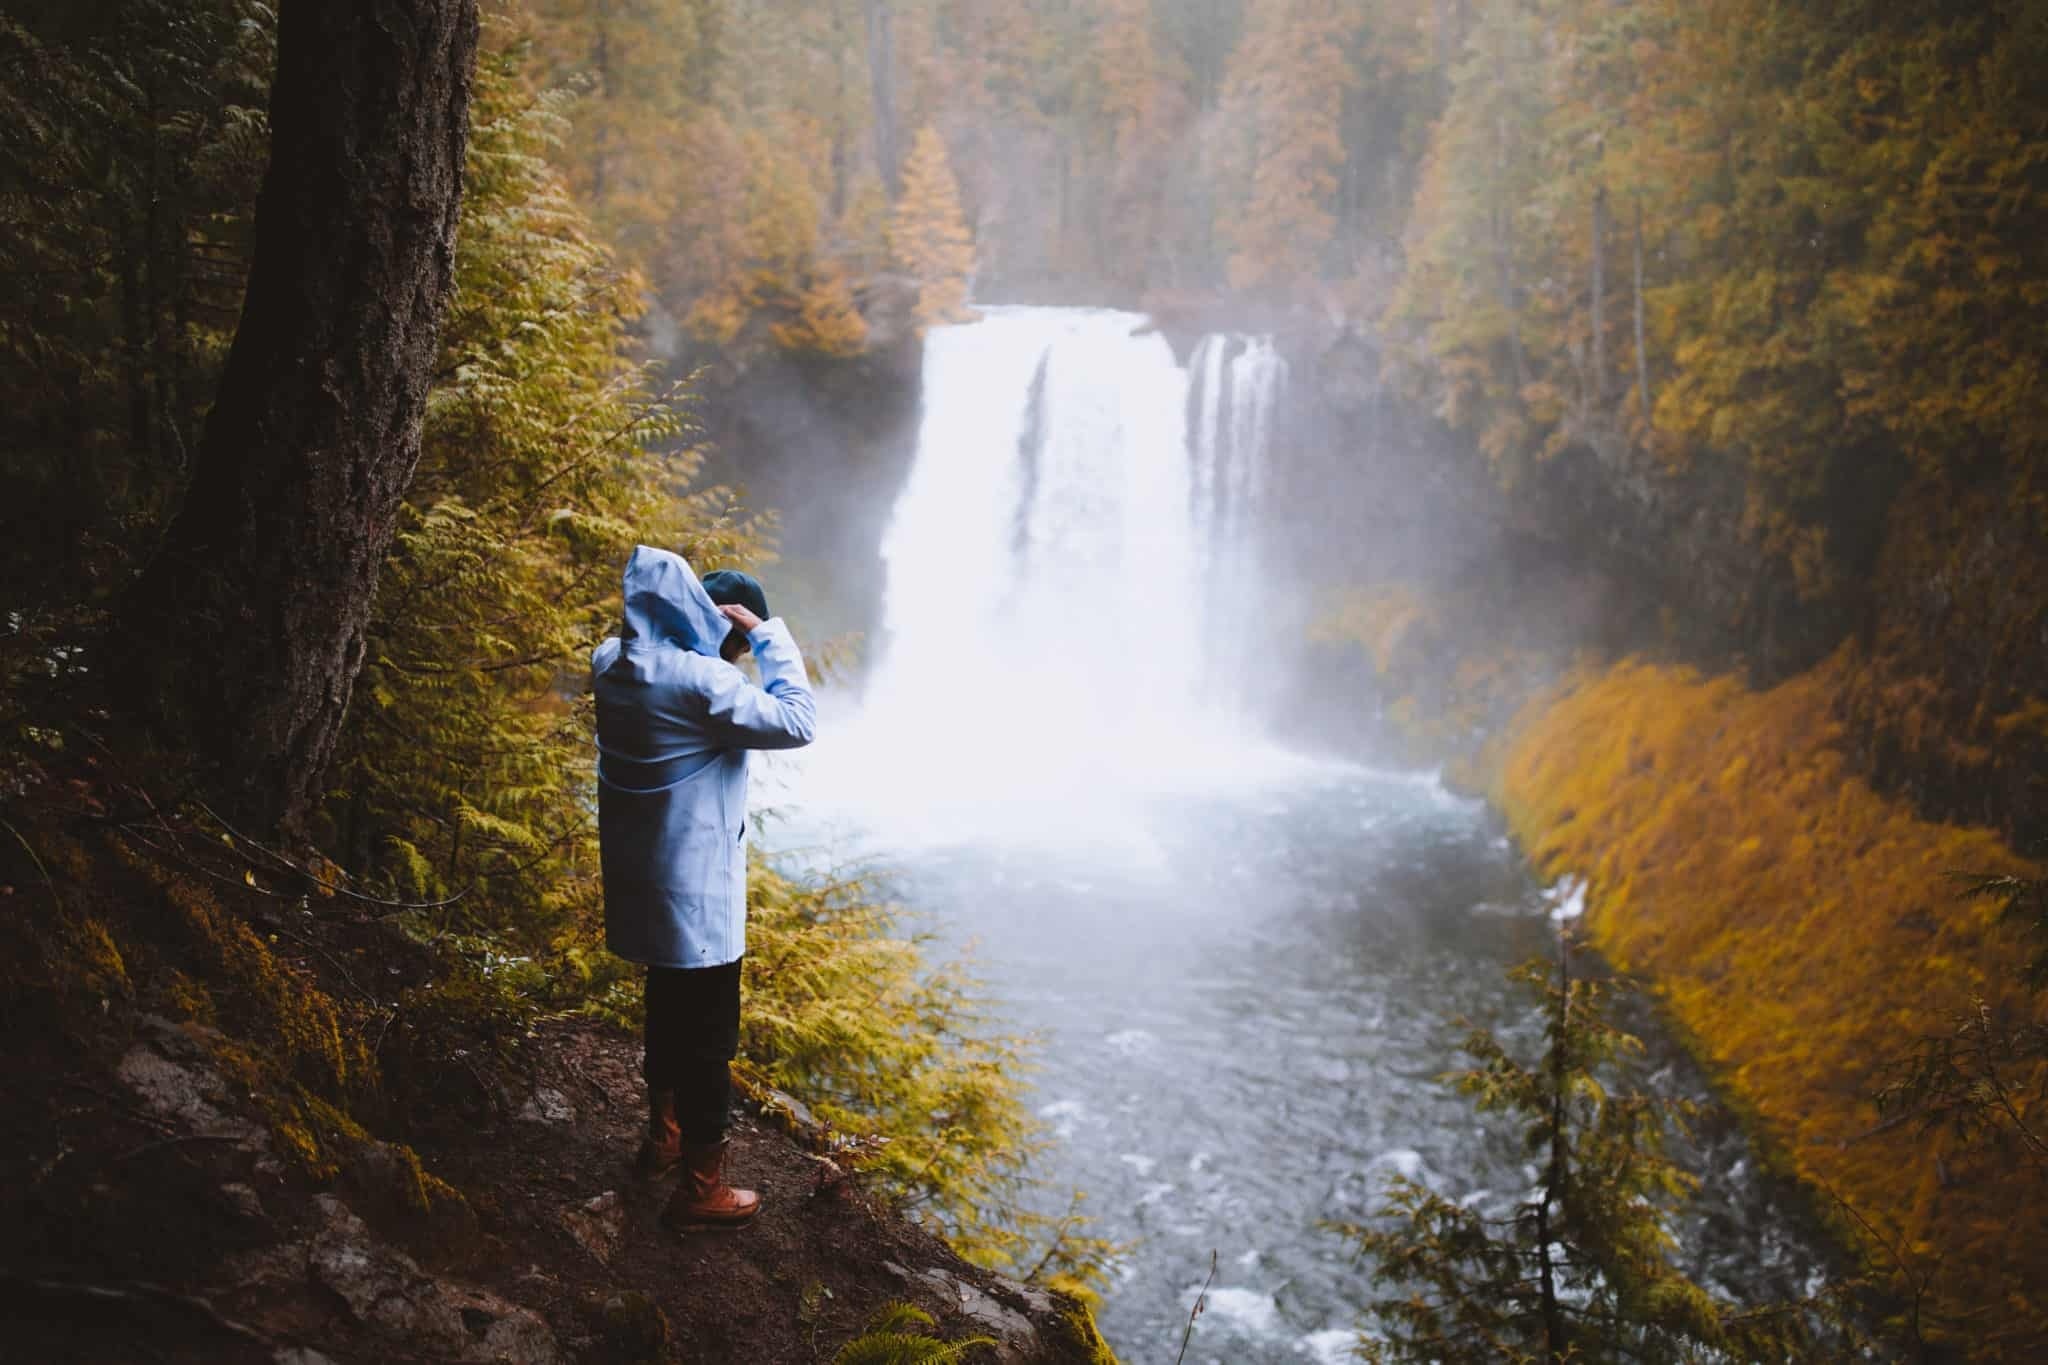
{"points": [[148, 1215]]}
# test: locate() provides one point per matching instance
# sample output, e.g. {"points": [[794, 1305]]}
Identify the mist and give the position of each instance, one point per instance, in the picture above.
{"points": [[1428, 622]]}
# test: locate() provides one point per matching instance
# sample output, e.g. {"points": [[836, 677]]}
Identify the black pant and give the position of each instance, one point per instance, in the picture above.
{"points": [[693, 1032]]}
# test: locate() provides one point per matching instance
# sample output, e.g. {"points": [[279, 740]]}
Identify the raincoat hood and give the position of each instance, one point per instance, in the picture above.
{"points": [[665, 602], [675, 726]]}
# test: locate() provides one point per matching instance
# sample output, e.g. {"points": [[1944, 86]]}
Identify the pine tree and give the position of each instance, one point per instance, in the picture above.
{"points": [[1579, 1268], [1461, 312], [1985, 1077], [1282, 149], [928, 235], [772, 267], [132, 142]]}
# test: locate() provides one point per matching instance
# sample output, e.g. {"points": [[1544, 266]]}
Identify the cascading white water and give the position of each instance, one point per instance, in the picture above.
{"points": [[1072, 608], [1239, 382]]}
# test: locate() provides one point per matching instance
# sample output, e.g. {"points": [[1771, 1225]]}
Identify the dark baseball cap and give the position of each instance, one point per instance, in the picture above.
{"points": [[731, 588]]}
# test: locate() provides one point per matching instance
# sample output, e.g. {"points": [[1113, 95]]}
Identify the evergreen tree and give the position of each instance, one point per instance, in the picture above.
{"points": [[928, 234], [1282, 150], [1987, 1077], [1462, 305], [132, 141], [1579, 1269], [775, 270]]}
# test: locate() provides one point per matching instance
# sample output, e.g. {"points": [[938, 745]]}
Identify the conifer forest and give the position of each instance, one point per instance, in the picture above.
{"points": [[1429, 625]]}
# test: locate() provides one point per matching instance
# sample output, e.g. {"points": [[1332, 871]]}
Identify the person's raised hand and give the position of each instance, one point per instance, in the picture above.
{"points": [[740, 616]]}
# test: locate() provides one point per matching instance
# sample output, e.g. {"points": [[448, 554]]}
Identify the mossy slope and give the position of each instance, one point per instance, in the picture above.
{"points": [[1801, 929]]}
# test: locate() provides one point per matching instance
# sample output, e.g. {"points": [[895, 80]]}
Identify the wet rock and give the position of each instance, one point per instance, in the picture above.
{"points": [[189, 1096], [243, 1200], [387, 1292], [382, 1287], [501, 1332], [1016, 1336], [547, 1105], [269, 1267], [597, 1224], [790, 1112], [301, 1355]]}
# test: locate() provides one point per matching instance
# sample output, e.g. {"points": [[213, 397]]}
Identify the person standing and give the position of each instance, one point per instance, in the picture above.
{"points": [[676, 719]]}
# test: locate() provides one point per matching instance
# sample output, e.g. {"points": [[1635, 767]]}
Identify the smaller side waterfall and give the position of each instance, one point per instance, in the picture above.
{"points": [[1238, 384]]}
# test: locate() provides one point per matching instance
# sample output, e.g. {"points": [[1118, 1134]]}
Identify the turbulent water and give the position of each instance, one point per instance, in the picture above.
{"points": [[1246, 967]]}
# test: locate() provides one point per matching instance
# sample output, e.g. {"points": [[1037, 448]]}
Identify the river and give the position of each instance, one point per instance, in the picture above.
{"points": [[1246, 969]]}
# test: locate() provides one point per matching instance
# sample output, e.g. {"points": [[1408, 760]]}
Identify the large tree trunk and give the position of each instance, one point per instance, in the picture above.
{"points": [[248, 627], [1642, 351]]}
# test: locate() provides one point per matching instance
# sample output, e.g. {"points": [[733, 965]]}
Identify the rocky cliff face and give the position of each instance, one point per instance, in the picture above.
{"points": [[1936, 585], [826, 443]]}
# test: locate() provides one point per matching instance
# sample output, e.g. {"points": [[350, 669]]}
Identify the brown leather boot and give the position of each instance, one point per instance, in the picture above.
{"points": [[704, 1200], [662, 1148]]}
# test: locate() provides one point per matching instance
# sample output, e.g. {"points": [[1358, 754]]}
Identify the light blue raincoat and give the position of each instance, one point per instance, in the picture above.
{"points": [[674, 724]]}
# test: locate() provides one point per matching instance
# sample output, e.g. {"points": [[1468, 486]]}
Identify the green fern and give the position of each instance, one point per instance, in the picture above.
{"points": [[892, 1338]]}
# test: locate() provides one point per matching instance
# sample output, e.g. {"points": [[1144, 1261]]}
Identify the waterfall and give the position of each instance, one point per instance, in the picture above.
{"points": [[1072, 600], [1239, 379]]}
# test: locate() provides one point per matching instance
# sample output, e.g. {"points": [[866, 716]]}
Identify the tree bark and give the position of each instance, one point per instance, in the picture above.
{"points": [[245, 633], [1599, 307], [1503, 240], [1642, 351]]}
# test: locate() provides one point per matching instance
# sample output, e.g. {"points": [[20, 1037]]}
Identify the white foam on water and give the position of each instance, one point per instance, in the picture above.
{"points": [[1154, 1192], [1331, 1346], [1132, 1042], [1566, 899], [1065, 1116], [1248, 1310], [1405, 1162]]}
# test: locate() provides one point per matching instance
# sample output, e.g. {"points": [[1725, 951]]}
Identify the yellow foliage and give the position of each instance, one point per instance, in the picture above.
{"points": [[772, 264], [828, 320], [1282, 151], [928, 234], [191, 998], [312, 1132], [1434, 692], [272, 1000], [1077, 1322], [1385, 622], [1800, 929], [98, 958]]}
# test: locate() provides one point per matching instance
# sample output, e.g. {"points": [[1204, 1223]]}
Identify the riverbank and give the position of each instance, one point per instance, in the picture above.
{"points": [[1804, 933]]}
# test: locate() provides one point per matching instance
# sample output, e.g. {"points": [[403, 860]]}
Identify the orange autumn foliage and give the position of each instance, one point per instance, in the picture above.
{"points": [[1802, 930], [929, 236]]}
